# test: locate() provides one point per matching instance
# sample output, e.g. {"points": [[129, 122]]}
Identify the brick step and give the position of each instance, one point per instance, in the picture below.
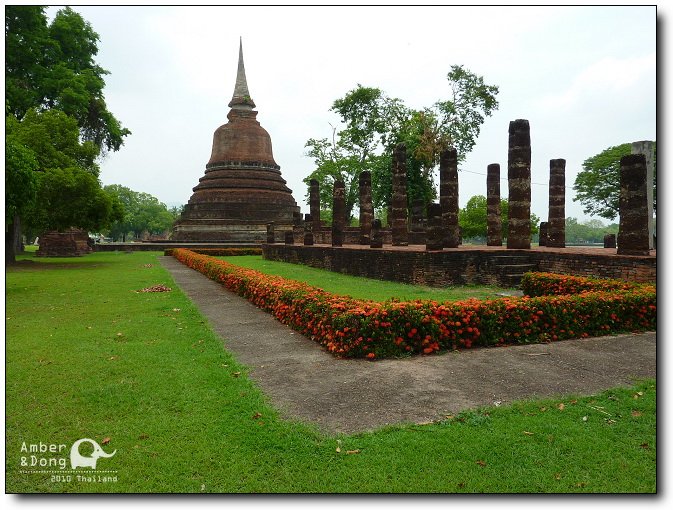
{"points": [[516, 268]]}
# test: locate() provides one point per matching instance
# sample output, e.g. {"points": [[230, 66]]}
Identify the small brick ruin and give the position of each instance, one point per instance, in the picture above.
{"points": [[71, 243]]}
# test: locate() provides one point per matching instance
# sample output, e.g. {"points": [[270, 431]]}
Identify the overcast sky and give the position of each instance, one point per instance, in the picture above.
{"points": [[584, 77]]}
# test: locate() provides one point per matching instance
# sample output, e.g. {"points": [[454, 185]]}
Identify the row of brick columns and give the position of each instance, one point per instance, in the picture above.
{"points": [[441, 228]]}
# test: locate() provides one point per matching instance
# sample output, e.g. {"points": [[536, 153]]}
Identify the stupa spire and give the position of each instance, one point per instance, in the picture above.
{"points": [[241, 99]]}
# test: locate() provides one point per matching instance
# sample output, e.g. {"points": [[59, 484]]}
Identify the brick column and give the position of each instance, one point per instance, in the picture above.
{"points": [[338, 213], [366, 207], [633, 237], [376, 236], [647, 148], [289, 237], [493, 212], [556, 230], [448, 196], [544, 233], [270, 233], [399, 206], [297, 226], [417, 230], [609, 241], [435, 230], [308, 230], [314, 205], [518, 176]]}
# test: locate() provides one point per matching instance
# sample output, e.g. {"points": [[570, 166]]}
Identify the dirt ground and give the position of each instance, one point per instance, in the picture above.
{"points": [[306, 383]]}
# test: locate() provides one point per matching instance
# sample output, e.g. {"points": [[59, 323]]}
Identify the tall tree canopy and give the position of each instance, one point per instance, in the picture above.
{"points": [[374, 123], [57, 124], [597, 185], [51, 66]]}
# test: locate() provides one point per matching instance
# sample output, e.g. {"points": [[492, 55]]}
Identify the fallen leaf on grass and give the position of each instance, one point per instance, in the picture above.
{"points": [[156, 288], [143, 436], [338, 450], [256, 416], [351, 452], [561, 406], [635, 413], [557, 476], [105, 441], [645, 446], [481, 463], [236, 374], [638, 394], [113, 358], [528, 433], [585, 418]]}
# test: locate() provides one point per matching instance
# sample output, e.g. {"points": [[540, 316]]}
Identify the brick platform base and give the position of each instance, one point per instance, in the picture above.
{"points": [[465, 265]]}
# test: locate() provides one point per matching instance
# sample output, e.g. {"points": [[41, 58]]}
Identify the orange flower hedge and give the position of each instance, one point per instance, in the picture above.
{"points": [[358, 328], [545, 284], [219, 252]]}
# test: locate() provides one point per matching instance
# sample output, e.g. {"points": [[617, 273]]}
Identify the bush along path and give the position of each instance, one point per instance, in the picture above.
{"points": [[555, 307]]}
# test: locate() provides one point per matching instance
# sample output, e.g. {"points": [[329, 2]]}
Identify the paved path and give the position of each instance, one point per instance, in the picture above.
{"points": [[305, 382]]}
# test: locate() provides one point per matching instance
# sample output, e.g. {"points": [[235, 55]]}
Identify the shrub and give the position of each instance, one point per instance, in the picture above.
{"points": [[359, 328], [219, 252]]}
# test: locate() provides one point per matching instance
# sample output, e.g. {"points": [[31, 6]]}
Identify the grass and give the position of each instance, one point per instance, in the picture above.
{"points": [[364, 288], [88, 356]]}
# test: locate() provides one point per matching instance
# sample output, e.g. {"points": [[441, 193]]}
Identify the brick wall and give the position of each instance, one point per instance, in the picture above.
{"points": [[463, 266]]}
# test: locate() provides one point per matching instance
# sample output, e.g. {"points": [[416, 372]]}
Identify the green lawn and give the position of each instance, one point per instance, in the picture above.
{"points": [[89, 356], [364, 288]]}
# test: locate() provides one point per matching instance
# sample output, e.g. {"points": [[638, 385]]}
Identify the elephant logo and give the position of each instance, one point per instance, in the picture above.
{"points": [[78, 460]]}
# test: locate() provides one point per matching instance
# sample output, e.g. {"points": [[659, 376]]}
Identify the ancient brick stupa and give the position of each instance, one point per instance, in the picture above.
{"points": [[242, 190]]}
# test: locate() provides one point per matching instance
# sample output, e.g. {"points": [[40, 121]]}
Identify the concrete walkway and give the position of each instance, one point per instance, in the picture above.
{"points": [[305, 382]]}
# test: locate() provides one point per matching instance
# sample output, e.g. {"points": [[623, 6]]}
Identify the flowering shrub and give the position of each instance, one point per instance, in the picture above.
{"points": [[219, 252], [359, 328], [545, 284]]}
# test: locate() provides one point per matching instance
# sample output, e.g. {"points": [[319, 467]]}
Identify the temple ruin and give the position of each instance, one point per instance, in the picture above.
{"points": [[242, 189]]}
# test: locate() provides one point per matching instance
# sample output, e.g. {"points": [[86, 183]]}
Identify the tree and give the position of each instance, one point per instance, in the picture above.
{"points": [[71, 196], [20, 191], [142, 212], [473, 219], [52, 67], [590, 231], [375, 123], [55, 109], [597, 185]]}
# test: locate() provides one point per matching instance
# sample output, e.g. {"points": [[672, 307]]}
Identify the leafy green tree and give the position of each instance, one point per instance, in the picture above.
{"points": [[375, 123], [597, 185], [142, 213], [71, 196], [20, 191], [55, 108], [52, 67], [473, 219], [590, 231]]}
